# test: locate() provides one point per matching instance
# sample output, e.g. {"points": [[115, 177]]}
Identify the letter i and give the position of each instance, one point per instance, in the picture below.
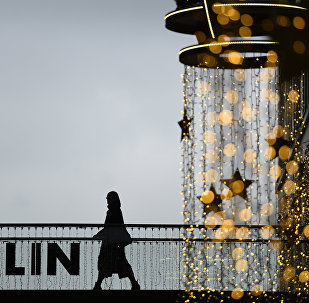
{"points": [[36, 259]]}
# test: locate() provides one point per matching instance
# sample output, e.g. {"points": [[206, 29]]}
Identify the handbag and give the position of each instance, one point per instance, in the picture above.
{"points": [[114, 235]]}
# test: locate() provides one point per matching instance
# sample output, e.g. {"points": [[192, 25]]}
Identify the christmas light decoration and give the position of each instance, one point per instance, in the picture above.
{"points": [[244, 164]]}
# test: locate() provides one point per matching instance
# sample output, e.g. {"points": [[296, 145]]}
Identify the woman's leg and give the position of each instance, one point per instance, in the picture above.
{"points": [[134, 283], [99, 281], [97, 284]]}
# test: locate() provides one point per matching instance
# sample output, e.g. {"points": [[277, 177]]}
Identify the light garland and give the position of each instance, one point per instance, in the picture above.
{"points": [[246, 42], [260, 4], [180, 11], [208, 19], [244, 188], [215, 148]]}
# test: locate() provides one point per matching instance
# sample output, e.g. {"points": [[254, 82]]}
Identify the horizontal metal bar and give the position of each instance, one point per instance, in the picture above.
{"points": [[91, 225], [8, 239], [151, 226]]}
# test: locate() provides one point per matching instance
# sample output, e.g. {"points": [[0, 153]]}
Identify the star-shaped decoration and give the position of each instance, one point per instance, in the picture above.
{"points": [[238, 185], [185, 124], [211, 201]]}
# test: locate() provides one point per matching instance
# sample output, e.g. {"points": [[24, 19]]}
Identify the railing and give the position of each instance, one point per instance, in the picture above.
{"points": [[64, 256]]}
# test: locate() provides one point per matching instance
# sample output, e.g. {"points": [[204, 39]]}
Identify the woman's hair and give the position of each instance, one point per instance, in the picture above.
{"points": [[113, 200]]}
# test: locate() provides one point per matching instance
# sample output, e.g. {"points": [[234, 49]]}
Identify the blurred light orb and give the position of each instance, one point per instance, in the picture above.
{"points": [[204, 87], [270, 153], [247, 113], [270, 138], [250, 155], [211, 156], [289, 273], [211, 118], [200, 178], [211, 222], [304, 276], [299, 47], [229, 150], [299, 22], [278, 131], [275, 172], [237, 293], [245, 214], [246, 20], [245, 31], [222, 19], [272, 56], [211, 175], [207, 196], [283, 21], [257, 290], [209, 60], [267, 231], [237, 187], [235, 57], [241, 265], [306, 231], [224, 38], [215, 48], [267, 75], [284, 152], [275, 245], [240, 74], [292, 167], [274, 98], [238, 253], [233, 14], [209, 137], [242, 232], [217, 9], [266, 93], [226, 117], [267, 209], [219, 235], [226, 194], [293, 96], [228, 224], [231, 96], [289, 187]]}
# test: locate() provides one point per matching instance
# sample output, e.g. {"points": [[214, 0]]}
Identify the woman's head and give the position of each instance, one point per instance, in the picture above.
{"points": [[113, 200]]}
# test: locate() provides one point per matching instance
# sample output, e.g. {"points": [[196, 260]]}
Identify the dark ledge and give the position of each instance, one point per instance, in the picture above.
{"points": [[145, 296]]}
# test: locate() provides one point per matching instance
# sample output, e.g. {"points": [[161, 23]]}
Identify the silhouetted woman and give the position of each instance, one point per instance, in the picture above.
{"points": [[112, 258]]}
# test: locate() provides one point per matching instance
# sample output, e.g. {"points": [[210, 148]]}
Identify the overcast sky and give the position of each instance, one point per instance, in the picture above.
{"points": [[90, 95]]}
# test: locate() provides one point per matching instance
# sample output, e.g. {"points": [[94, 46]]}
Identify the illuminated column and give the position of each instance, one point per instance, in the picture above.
{"points": [[241, 146]]}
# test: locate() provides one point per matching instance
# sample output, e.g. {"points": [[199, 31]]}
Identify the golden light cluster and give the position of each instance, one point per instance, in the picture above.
{"points": [[249, 120]]}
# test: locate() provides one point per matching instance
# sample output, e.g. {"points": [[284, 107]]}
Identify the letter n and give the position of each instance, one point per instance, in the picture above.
{"points": [[11, 268], [54, 252]]}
